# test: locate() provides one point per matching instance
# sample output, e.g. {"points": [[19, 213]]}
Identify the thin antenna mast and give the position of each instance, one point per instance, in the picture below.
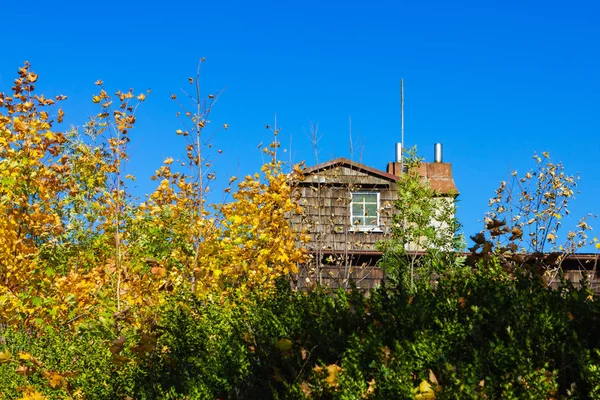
{"points": [[402, 110], [402, 123]]}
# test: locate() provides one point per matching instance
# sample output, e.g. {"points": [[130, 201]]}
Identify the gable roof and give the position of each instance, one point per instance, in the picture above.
{"points": [[353, 165], [439, 175]]}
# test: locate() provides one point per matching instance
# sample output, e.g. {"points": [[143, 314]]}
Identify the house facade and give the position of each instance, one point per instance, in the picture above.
{"points": [[348, 209]]}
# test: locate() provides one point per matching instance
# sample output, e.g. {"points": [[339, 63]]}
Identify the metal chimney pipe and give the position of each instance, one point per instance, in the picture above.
{"points": [[399, 152], [437, 152]]}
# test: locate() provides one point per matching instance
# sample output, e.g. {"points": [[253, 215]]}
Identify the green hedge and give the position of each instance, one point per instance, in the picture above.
{"points": [[476, 334]]}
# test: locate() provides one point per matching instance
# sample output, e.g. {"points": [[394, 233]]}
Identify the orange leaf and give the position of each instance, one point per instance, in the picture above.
{"points": [[159, 271]]}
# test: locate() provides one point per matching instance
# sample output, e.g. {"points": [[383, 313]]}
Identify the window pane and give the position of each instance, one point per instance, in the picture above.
{"points": [[371, 210], [370, 198], [371, 221], [358, 198], [357, 210]]}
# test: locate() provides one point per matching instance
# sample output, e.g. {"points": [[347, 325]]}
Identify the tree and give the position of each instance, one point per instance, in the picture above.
{"points": [[424, 229], [76, 250], [524, 224]]}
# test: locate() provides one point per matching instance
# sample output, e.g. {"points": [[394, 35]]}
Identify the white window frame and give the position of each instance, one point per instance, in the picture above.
{"points": [[365, 228]]}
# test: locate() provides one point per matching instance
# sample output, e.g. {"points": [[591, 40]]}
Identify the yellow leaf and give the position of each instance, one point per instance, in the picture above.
{"points": [[168, 161], [32, 394], [332, 374], [226, 126], [61, 114], [5, 357], [598, 246], [96, 99], [141, 97], [55, 379], [98, 82], [19, 125], [371, 388], [424, 391]]}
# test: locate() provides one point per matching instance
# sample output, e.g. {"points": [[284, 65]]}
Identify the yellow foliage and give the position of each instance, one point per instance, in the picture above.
{"points": [[75, 251], [5, 357], [32, 394], [333, 371], [424, 391]]}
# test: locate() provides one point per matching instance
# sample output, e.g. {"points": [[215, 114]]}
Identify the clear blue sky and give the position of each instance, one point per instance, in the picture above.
{"points": [[493, 81]]}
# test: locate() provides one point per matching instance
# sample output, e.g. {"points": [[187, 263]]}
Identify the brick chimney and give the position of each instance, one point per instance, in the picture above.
{"points": [[438, 173]]}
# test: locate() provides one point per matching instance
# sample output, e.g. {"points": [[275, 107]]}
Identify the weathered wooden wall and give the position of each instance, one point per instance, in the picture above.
{"points": [[326, 198], [338, 248]]}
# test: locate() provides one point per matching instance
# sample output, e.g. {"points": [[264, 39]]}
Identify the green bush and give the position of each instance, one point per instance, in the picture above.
{"points": [[84, 358], [474, 335]]}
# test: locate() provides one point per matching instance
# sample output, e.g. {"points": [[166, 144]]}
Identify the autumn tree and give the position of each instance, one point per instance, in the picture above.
{"points": [[34, 190], [523, 226], [77, 250]]}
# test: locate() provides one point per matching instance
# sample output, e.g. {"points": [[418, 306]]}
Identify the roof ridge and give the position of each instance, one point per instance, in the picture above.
{"points": [[353, 165]]}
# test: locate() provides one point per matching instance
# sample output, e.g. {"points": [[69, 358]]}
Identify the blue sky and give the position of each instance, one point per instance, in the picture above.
{"points": [[493, 81]]}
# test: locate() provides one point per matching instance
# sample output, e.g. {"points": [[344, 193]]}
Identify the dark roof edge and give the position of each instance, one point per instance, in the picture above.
{"points": [[353, 165]]}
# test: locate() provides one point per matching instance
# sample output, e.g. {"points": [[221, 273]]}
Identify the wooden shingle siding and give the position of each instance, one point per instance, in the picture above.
{"points": [[327, 215], [326, 195]]}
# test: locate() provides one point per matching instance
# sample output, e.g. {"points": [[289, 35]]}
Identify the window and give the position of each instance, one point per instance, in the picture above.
{"points": [[365, 210]]}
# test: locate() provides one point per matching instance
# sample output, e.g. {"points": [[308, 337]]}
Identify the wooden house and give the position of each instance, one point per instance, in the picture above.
{"points": [[348, 208]]}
